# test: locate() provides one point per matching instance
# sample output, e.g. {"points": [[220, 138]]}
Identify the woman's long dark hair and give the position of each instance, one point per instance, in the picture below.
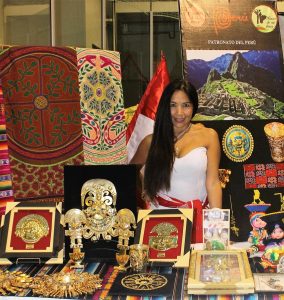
{"points": [[160, 160]]}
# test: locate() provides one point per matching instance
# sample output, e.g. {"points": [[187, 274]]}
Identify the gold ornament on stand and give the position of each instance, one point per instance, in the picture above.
{"points": [[124, 219], [63, 285], [77, 257], [122, 259], [75, 219], [13, 282]]}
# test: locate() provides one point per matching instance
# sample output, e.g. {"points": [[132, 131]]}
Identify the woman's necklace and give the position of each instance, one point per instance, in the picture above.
{"points": [[179, 136]]}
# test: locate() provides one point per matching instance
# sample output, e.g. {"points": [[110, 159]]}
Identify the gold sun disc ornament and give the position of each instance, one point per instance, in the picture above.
{"points": [[65, 285], [238, 143], [32, 228], [144, 281]]}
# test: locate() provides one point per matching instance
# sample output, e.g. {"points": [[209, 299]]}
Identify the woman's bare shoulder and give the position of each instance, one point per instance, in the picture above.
{"points": [[205, 130], [147, 140]]}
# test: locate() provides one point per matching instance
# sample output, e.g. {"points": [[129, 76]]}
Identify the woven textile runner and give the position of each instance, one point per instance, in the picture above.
{"points": [[42, 109], [102, 107], [6, 192], [264, 175]]}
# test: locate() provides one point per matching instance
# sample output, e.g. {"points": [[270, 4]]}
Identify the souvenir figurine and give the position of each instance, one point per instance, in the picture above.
{"points": [[274, 243], [258, 233]]}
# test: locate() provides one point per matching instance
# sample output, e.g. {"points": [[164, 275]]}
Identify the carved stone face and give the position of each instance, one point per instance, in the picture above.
{"points": [[98, 198]]}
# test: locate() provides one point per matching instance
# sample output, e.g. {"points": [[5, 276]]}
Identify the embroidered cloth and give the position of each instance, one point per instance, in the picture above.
{"points": [[42, 109], [102, 107]]}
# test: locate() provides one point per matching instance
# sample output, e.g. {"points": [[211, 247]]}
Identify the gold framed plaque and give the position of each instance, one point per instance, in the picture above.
{"points": [[32, 232], [220, 272], [167, 232]]}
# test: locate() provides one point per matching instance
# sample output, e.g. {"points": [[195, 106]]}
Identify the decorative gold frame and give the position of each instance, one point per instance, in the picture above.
{"points": [[50, 252], [239, 278], [184, 215]]}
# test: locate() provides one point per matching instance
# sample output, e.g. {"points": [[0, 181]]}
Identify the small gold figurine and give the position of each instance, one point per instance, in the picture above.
{"points": [[124, 219], [75, 219]]}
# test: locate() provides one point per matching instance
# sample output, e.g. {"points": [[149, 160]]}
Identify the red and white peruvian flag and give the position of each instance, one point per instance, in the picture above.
{"points": [[142, 122]]}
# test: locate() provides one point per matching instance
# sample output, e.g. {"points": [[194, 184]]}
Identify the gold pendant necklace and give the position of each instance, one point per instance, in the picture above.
{"points": [[179, 136]]}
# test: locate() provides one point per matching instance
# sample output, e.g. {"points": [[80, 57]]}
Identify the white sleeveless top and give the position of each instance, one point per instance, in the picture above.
{"points": [[188, 181]]}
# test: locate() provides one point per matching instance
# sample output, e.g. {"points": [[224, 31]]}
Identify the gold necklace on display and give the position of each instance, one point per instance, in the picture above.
{"points": [[179, 136]]}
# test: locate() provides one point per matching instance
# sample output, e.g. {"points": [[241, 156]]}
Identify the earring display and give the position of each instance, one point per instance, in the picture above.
{"points": [[216, 229]]}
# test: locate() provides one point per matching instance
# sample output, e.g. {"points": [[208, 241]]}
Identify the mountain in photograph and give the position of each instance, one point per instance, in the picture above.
{"points": [[239, 85]]}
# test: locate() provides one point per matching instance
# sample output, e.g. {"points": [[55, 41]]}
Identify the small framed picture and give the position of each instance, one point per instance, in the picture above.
{"points": [[219, 272], [216, 228], [168, 234], [268, 282], [32, 232]]}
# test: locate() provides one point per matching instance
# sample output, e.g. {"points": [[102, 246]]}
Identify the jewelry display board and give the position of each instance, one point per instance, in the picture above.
{"points": [[219, 273], [32, 232], [216, 228], [168, 234]]}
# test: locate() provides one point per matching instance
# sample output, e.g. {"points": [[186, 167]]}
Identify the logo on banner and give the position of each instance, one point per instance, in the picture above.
{"points": [[194, 14], [264, 18], [223, 19]]}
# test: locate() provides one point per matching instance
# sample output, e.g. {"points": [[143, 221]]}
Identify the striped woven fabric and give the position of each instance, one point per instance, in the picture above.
{"points": [[102, 107], [42, 109], [108, 274], [6, 192]]}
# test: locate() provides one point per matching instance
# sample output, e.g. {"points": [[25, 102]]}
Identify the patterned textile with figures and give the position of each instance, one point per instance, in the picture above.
{"points": [[42, 109], [102, 107]]}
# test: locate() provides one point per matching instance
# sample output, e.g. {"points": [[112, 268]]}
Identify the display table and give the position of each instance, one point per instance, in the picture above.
{"points": [[109, 275]]}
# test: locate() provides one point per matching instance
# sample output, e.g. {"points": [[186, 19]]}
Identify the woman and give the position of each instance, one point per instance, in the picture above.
{"points": [[181, 159]]}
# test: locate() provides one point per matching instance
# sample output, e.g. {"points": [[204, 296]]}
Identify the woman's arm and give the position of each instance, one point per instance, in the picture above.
{"points": [[140, 157], [213, 185]]}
